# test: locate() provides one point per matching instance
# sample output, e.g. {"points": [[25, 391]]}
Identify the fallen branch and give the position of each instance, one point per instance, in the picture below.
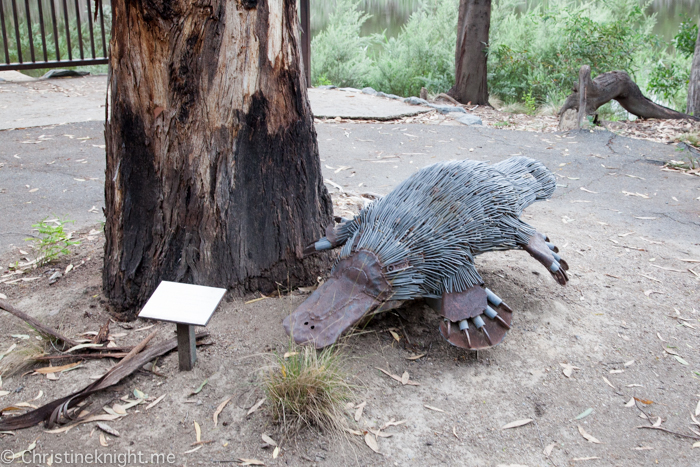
{"points": [[54, 411], [669, 431], [81, 356], [4, 305], [614, 85]]}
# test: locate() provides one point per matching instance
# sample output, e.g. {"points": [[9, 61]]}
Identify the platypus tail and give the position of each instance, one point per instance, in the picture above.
{"points": [[530, 177]]}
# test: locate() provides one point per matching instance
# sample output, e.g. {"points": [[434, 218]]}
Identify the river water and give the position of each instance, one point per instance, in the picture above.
{"points": [[391, 15]]}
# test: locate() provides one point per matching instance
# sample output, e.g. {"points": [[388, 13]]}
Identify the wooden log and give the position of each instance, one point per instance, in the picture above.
{"points": [[616, 85], [4, 305]]}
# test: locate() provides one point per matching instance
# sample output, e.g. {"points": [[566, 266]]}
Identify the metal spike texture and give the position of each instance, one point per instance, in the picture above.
{"points": [[427, 231]]}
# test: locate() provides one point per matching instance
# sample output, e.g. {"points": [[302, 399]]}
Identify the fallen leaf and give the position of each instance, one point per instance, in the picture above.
{"points": [[415, 357], [614, 372], [696, 445], [118, 409], [568, 369], [630, 403], [454, 432], [153, 404], [577, 459], [290, 354], [103, 440], [198, 432], [548, 450], [587, 190], [657, 423], [219, 409], [56, 369], [255, 407], [4, 393], [516, 423], [358, 412], [393, 423], [643, 401], [94, 418], [139, 394], [630, 363], [397, 378], [108, 429], [371, 442], [697, 410], [250, 462], [404, 378], [194, 450], [433, 408], [276, 452], [680, 360], [201, 386], [643, 448], [268, 440], [608, 382], [584, 414], [353, 432], [588, 437], [395, 336]]}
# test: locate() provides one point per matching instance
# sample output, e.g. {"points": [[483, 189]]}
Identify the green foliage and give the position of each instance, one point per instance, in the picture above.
{"points": [[540, 51], [339, 52], [684, 41], [530, 103], [423, 53], [51, 241], [667, 80]]}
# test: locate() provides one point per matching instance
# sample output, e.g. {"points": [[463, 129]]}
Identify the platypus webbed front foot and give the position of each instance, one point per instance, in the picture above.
{"points": [[546, 253], [475, 319]]}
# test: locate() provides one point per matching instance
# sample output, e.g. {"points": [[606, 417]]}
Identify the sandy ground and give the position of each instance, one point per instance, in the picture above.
{"points": [[616, 322]]}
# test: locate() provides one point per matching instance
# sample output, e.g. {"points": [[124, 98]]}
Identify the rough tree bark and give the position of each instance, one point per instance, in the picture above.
{"points": [[470, 55], [213, 175], [694, 85], [619, 86]]}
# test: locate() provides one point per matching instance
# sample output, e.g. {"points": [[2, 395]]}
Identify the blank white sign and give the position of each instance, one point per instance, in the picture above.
{"points": [[182, 303]]}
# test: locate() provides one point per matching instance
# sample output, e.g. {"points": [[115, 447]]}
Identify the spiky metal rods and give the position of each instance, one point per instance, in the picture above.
{"points": [[421, 240]]}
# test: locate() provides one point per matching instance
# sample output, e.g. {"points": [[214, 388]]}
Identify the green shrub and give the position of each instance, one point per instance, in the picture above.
{"points": [[541, 51], [684, 41], [339, 53], [51, 241], [423, 53]]}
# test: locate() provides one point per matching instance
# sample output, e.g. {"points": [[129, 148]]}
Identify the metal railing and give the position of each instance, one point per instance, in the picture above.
{"points": [[53, 33]]}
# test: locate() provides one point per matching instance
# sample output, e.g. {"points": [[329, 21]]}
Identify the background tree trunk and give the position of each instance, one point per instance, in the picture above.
{"points": [[213, 175], [694, 86], [470, 56]]}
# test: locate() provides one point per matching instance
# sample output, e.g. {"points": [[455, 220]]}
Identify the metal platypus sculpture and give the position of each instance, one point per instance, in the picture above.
{"points": [[420, 241]]}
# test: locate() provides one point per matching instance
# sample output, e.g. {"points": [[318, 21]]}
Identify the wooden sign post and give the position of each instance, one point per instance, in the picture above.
{"points": [[187, 306]]}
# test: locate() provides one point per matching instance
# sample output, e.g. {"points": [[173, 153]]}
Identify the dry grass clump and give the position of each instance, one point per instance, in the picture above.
{"points": [[21, 358], [306, 387]]}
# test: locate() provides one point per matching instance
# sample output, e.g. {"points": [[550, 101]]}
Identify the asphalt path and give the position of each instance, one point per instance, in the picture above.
{"points": [[58, 171]]}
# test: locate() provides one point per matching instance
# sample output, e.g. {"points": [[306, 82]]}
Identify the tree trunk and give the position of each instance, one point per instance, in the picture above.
{"points": [[694, 86], [619, 86], [470, 55], [213, 175]]}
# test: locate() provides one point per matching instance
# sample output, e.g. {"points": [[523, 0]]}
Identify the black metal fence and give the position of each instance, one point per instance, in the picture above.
{"points": [[53, 33]]}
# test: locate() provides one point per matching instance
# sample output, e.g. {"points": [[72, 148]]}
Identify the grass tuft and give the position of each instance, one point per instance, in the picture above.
{"points": [[308, 388]]}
